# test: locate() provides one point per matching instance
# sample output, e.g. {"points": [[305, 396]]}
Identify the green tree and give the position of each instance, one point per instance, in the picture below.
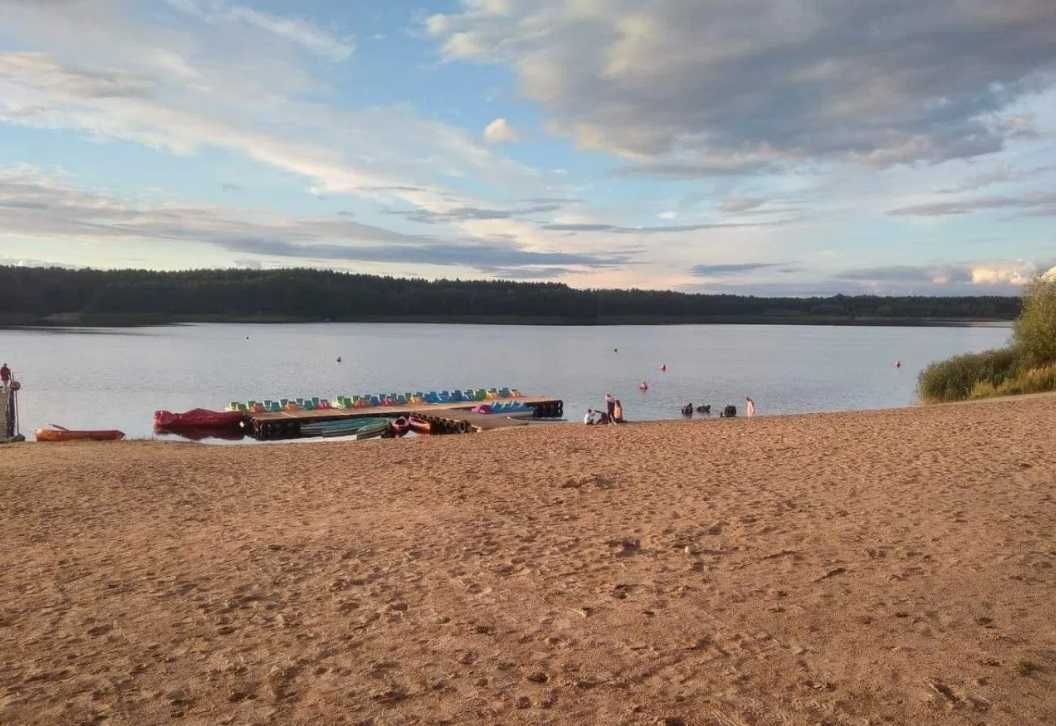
{"points": [[1035, 331]]}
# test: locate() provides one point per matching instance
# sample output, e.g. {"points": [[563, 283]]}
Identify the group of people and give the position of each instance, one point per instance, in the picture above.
{"points": [[729, 411], [613, 413]]}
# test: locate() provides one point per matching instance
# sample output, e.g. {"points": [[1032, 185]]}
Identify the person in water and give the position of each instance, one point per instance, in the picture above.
{"points": [[617, 412], [749, 407], [643, 386]]}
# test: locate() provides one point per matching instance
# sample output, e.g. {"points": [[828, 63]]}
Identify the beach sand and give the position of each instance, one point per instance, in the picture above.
{"points": [[889, 567]]}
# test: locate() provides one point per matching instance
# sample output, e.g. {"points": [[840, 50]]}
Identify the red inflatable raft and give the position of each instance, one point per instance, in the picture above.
{"points": [[399, 427], [197, 419], [420, 425]]}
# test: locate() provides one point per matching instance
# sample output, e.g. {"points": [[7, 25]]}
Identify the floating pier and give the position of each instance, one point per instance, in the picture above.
{"points": [[447, 418]]}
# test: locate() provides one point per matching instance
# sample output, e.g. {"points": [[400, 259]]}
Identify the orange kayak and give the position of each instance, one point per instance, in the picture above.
{"points": [[68, 435]]}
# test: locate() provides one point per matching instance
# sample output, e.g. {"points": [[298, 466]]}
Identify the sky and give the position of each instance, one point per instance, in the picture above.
{"points": [[769, 147]]}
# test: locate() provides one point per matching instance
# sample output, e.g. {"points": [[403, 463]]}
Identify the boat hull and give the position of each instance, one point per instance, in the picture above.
{"points": [[197, 419], [57, 435]]}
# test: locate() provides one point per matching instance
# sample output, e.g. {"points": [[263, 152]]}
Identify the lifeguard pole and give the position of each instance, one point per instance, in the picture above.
{"points": [[9, 412]]}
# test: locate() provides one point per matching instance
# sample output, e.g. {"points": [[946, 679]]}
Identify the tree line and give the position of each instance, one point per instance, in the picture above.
{"points": [[34, 295]]}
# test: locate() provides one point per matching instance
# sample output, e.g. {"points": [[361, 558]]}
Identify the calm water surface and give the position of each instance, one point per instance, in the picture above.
{"points": [[116, 378]]}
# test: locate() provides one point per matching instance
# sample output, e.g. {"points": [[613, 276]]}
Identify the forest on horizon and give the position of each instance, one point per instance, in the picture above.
{"points": [[42, 296]]}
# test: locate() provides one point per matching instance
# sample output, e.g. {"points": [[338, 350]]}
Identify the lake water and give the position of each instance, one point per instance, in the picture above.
{"points": [[116, 378]]}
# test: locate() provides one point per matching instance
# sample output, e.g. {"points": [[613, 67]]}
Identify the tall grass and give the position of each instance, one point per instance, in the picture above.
{"points": [[1027, 366], [1032, 380], [956, 379]]}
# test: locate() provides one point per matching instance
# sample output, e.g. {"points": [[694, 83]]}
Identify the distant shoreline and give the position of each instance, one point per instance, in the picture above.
{"points": [[134, 321]]}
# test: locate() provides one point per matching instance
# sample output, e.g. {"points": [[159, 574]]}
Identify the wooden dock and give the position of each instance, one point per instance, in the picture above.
{"points": [[446, 417]]}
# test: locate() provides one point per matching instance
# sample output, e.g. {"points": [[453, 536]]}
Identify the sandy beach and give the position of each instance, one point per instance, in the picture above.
{"points": [[886, 567]]}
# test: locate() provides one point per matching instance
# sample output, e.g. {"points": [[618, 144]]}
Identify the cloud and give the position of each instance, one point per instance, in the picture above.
{"points": [[499, 131], [715, 165], [992, 277], [529, 273], [976, 274], [665, 229], [32, 262], [109, 72], [464, 214], [735, 205], [905, 273], [725, 86], [482, 256], [728, 270], [382, 154], [294, 30], [82, 85], [1034, 204], [551, 200], [35, 205]]}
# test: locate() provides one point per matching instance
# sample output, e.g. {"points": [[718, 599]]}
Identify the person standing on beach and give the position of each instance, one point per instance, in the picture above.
{"points": [[617, 412], [610, 405], [749, 407]]}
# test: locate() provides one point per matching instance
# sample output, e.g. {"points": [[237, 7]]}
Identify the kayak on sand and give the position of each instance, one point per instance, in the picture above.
{"points": [[62, 434]]}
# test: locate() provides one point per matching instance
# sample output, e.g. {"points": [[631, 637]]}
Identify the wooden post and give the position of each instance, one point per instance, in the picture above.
{"points": [[7, 412]]}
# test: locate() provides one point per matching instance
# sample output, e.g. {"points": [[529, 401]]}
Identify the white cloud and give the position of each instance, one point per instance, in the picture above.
{"points": [[294, 30], [694, 88], [986, 276], [1014, 273], [36, 205], [668, 215], [499, 131]]}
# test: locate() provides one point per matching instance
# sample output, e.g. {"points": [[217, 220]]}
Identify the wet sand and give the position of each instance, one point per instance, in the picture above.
{"points": [[866, 568]]}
